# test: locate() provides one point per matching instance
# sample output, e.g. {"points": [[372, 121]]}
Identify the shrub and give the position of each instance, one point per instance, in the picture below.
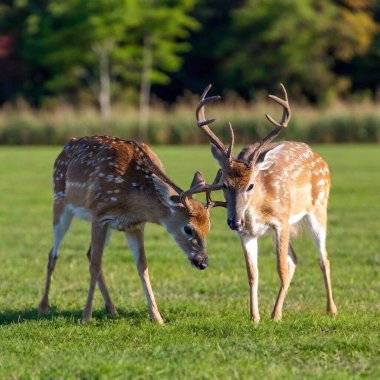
{"points": [[343, 123]]}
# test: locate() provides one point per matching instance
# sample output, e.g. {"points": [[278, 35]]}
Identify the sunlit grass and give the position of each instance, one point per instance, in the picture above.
{"points": [[207, 333]]}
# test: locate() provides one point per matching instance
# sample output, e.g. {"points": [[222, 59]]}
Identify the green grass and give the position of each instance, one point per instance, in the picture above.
{"points": [[207, 332]]}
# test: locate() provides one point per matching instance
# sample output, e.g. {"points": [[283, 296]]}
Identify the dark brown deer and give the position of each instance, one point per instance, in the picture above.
{"points": [[121, 185], [273, 187]]}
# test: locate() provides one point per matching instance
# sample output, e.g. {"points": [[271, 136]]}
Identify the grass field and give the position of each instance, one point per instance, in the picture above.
{"points": [[207, 334]]}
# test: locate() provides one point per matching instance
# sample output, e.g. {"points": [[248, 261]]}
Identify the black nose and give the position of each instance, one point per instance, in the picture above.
{"points": [[201, 262], [235, 224]]}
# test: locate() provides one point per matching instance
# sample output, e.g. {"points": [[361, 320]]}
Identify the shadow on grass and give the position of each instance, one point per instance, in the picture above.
{"points": [[7, 317]]}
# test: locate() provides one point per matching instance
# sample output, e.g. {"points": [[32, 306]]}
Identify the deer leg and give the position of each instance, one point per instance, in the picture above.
{"points": [[249, 245], [109, 306], [282, 246], [98, 239], [62, 218], [135, 239], [318, 234], [292, 264]]}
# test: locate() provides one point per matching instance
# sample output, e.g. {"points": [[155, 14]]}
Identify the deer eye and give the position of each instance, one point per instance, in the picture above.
{"points": [[250, 187], [188, 230]]}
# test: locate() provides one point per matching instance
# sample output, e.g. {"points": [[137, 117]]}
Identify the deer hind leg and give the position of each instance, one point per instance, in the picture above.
{"points": [[62, 221], [285, 268], [135, 240], [98, 240], [250, 249], [109, 306], [316, 224], [292, 264]]}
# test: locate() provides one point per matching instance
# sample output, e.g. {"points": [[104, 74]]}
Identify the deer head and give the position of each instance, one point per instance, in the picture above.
{"points": [[187, 219], [240, 175]]}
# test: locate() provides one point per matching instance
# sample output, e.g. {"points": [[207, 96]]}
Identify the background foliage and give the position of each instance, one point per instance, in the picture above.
{"points": [[98, 66], [321, 49]]}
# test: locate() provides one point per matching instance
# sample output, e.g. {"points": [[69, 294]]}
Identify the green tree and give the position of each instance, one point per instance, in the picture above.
{"points": [[297, 41], [162, 36], [106, 44], [82, 43]]}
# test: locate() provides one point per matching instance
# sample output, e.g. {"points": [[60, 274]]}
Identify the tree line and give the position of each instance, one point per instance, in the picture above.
{"points": [[104, 51]]}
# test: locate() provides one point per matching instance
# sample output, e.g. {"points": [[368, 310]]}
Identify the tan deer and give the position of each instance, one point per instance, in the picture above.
{"points": [[121, 185], [273, 187]]}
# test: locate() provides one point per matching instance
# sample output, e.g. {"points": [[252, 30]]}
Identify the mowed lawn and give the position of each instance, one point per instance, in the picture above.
{"points": [[208, 334]]}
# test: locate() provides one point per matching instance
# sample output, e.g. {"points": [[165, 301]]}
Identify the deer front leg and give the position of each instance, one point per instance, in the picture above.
{"points": [[109, 306], [282, 247], [249, 245], [98, 239], [135, 239]]}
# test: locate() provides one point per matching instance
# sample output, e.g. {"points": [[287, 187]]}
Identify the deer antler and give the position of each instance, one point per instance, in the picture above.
{"points": [[280, 125], [203, 124], [199, 185]]}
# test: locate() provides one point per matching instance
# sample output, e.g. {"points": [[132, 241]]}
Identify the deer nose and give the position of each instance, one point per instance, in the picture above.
{"points": [[235, 224], [201, 262]]}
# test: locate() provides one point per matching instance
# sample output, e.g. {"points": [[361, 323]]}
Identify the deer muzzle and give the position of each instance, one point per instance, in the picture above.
{"points": [[235, 210], [200, 261]]}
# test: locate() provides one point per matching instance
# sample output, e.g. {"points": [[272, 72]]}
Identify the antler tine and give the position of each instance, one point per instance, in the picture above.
{"points": [[232, 140], [286, 112], [203, 122], [216, 185], [280, 125], [199, 185]]}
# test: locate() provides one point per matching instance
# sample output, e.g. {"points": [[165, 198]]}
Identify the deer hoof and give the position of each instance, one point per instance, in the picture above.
{"points": [[111, 309], [276, 317], [332, 310], [43, 308], [255, 320], [157, 319], [86, 317]]}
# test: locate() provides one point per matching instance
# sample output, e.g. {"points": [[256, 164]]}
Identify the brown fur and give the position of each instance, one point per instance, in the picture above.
{"points": [[121, 184], [295, 183]]}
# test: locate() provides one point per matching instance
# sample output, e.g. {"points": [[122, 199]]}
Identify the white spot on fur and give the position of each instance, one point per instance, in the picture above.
{"points": [[119, 180]]}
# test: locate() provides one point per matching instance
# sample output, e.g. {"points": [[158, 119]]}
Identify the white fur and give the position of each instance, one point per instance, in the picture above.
{"points": [[133, 245], [250, 244], [79, 212], [318, 234], [296, 217], [60, 229]]}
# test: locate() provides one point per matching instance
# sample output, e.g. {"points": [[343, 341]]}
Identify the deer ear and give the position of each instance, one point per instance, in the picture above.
{"points": [[198, 180], [270, 158], [166, 194], [218, 155]]}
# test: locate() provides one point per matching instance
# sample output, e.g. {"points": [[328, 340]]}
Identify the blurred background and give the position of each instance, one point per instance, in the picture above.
{"points": [[135, 68]]}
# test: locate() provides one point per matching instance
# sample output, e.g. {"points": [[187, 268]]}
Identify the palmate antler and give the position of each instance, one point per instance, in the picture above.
{"points": [[199, 185], [286, 114]]}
